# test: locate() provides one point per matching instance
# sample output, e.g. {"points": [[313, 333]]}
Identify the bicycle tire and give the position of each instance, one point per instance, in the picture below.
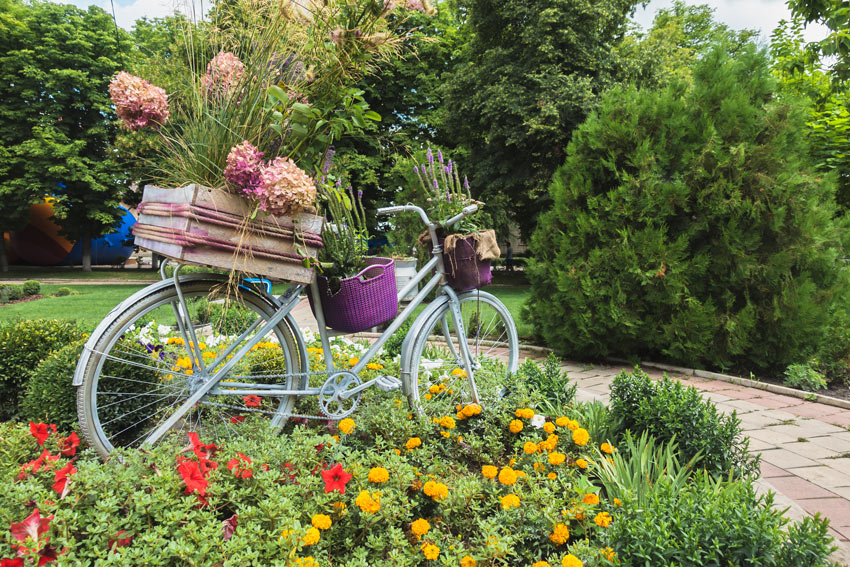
{"points": [[435, 386], [140, 370]]}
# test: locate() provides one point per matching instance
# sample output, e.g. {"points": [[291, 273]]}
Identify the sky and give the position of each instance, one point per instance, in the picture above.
{"points": [[762, 15]]}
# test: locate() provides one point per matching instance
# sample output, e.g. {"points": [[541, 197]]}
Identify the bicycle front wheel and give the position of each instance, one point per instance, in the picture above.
{"points": [[145, 365], [439, 384]]}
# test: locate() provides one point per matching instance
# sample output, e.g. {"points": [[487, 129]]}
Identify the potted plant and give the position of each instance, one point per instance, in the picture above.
{"points": [[468, 247], [357, 292]]}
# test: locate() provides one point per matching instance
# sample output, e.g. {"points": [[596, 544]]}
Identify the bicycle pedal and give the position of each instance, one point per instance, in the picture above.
{"points": [[388, 383]]}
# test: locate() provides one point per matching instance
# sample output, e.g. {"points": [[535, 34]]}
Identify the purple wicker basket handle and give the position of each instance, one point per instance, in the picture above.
{"points": [[362, 275]]}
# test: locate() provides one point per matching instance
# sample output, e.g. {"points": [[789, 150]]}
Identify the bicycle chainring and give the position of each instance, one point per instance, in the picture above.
{"points": [[331, 402]]}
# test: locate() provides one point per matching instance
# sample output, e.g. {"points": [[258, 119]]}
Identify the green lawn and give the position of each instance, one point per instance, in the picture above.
{"points": [[88, 305], [75, 273], [514, 296]]}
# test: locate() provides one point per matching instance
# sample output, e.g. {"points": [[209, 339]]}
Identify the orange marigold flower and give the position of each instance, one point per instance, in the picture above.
{"points": [[312, 537], [551, 476], [436, 490], [379, 474], [581, 463], [447, 422], [524, 413], [470, 410], [515, 426], [549, 427], [618, 502], [572, 425], [420, 527], [507, 476], [571, 560], [607, 448], [321, 521], [557, 458], [530, 448], [590, 498], [560, 534], [346, 425], [603, 519], [430, 551], [541, 564], [413, 443], [468, 561], [608, 553], [369, 503], [489, 471], [510, 501], [581, 437], [562, 421]]}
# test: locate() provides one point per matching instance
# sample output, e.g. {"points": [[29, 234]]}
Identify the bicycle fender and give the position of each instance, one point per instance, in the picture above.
{"points": [[415, 328], [120, 308]]}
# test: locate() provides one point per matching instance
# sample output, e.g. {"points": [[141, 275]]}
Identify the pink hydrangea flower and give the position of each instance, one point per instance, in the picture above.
{"points": [[138, 103], [244, 166], [418, 5], [223, 71], [285, 189]]}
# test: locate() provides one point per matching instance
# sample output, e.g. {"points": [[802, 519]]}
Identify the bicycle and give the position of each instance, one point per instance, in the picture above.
{"points": [[188, 354]]}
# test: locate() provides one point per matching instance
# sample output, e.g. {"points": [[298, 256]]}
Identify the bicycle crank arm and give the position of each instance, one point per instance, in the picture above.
{"points": [[385, 383]]}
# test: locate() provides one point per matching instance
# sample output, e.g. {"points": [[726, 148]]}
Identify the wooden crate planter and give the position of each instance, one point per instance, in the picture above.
{"points": [[207, 227]]}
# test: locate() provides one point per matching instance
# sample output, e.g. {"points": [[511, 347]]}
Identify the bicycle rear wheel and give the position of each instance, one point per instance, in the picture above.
{"points": [[439, 384], [143, 368]]}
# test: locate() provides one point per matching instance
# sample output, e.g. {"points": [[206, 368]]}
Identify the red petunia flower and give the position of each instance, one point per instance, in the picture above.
{"points": [[335, 479], [192, 476], [237, 467], [202, 450], [40, 431], [252, 401], [117, 541], [69, 445], [47, 554], [32, 527], [229, 526], [16, 562], [237, 419], [35, 465], [61, 478]]}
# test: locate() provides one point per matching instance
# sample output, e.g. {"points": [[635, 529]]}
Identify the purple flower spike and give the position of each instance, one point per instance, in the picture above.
{"points": [[448, 196], [415, 170], [359, 194], [430, 156], [440, 155], [424, 171], [436, 186], [465, 183], [451, 166]]}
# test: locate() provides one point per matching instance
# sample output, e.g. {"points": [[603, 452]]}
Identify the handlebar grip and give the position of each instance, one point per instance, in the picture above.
{"points": [[470, 209], [390, 210]]}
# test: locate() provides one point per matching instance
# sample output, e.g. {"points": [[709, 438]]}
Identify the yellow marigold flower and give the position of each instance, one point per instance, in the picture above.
{"points": [[520, 474], [581, 437], [489, 471], [352, 362], [374, 366], [581, 463], [436, 490], [510, 501], [618, 502], [379, 474], [607, 448], [571, 560], [413, 443], [557, 458], [346, 425], [430, 551], [529, 448], [524, 413], [590, 498], [321, 521], [420, 527], [603, 519], [312, 537], [549, 427], [459, 416], [336, 438], [447, 422], [541, 564], [437, 388], [608, 553], [549, 444], [285, 535], [459, 372], [539, 466], [560, 534], [428, 396], [308, 561], [468, 561], [515, 426], [369, 503], [562, 421], [397, 451], [445, 434], [507, 476], [470, 410]]}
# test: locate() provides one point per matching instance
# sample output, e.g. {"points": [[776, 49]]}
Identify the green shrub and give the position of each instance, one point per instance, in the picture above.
{"points": [[31, 287], [22, 346], [63, 291], [49, 396], [392, 347], [713, 522], [804, 377], [554, 387], [688, 224], [230, 318], [667, 410], [10, 293], [833, 356]]}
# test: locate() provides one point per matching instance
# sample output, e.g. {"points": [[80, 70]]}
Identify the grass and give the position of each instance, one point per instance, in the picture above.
{"points": [[75, 273], [88, 304], [91, 303]]}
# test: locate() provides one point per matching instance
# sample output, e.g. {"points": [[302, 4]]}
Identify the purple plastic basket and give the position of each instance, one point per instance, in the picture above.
{"points": [[464, 270], [363, 301]]}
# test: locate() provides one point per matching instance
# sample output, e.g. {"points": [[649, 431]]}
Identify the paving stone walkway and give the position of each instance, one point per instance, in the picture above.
{"points": [[804, 446]]}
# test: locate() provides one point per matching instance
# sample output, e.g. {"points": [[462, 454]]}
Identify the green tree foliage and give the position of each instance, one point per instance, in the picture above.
{"points": [[58, 125], [835, 15], [687, 224], [533, 70]]}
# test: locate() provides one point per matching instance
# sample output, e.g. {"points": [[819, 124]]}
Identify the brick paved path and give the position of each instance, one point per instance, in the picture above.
{"points": [[804, 446]]}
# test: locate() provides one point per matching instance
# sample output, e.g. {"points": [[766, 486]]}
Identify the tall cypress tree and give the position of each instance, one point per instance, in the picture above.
{"points": [[688, 224]]}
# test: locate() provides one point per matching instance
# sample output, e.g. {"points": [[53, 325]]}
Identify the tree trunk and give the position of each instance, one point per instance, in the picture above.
{"points": [[4, 261], [86, 244]]}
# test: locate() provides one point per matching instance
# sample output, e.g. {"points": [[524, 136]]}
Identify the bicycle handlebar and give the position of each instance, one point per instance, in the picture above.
{"points": [[468, 210]]}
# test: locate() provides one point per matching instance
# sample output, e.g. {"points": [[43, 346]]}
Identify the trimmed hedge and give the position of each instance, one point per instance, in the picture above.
{"points": [[50, 397]]}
